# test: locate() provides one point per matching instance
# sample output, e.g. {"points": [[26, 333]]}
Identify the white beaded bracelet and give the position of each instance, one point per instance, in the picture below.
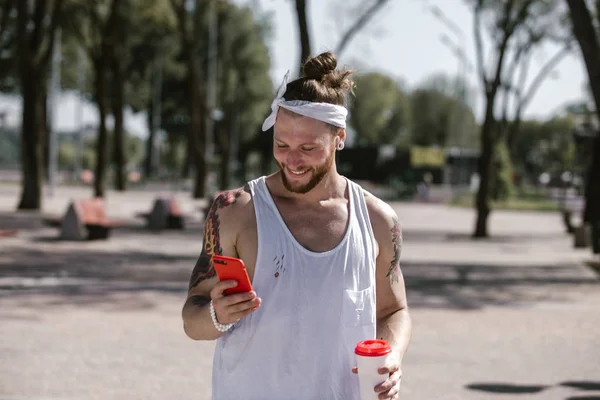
{"points": [[220, 327]]}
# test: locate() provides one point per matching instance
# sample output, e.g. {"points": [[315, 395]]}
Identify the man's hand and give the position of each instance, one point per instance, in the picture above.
{"points": [[231, 308], [390, 388]]}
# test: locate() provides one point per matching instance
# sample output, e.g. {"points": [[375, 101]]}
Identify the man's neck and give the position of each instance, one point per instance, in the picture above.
{"points": [[331, 186]]}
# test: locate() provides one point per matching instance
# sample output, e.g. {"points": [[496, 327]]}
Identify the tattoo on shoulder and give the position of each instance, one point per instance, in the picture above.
{"points": [[394, 270], [204, 268]]}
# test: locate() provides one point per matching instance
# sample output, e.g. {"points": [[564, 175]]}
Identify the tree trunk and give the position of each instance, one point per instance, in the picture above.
{"points": [[592, 190], [513, 132], [101, 148], [118, 100], [303, 31], [196, 149], [186, 167], [224, 129], [32, 143], [586, 35], [149, 159], [35, 34], [45, 133], [197, 138], [484, 169]]}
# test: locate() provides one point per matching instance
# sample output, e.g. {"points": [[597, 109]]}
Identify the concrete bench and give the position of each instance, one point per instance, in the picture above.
{"points": [[166, 213], [8, 233], [84, 220]]}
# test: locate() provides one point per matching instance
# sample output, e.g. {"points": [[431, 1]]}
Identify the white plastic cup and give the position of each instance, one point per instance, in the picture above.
{"points": [[370, 356]]}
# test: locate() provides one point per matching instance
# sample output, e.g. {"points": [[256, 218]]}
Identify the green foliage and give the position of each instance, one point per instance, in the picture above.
{"points": [[67, 151], [435, 113], [439, 119], [432, 111], [152, 40], [464, 129], [380, 112], [545, 146], [244, 88], [146, 31], [450, 101], [455, 88]]}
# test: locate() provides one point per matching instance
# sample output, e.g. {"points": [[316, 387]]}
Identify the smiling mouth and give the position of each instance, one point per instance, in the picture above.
{"points": [[298, 173]]}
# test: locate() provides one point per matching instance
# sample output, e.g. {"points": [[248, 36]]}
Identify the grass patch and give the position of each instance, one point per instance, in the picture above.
{"points": [[515, 203]]}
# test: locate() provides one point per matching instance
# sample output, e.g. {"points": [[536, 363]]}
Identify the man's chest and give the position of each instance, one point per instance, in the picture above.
{"points": [[316, 230]]}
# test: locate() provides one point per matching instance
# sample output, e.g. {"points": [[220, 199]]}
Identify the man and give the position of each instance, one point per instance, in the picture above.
{"points": [[322, 255]]}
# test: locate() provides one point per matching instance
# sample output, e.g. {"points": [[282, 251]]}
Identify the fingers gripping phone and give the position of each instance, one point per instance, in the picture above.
{"points": [[232, 268]]}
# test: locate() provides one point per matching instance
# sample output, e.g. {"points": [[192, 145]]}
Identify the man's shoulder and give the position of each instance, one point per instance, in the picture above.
{"points": [[233, 202], [382, 215]]}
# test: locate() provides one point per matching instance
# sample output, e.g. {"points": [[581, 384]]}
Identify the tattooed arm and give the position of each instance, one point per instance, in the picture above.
{"points": [[219, 238], [393, 319]]}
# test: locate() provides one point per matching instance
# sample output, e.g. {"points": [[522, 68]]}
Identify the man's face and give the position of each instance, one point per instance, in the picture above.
{"points": [[304, 149]]}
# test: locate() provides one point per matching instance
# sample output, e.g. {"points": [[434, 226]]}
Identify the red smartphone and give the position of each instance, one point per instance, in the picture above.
{"points": [[232, 268]]}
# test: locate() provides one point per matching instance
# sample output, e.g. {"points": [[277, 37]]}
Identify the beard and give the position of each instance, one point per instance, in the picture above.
{"points": [[317, 174]]}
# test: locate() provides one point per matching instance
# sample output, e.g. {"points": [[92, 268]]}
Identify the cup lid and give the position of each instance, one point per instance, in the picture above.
{"points": [[372, 348]]}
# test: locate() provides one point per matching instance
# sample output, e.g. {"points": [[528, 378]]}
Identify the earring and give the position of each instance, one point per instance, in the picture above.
{"points": [[340, 146]]}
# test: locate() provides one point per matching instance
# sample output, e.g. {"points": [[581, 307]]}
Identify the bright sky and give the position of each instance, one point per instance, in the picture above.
{"points": [[403, 40]]}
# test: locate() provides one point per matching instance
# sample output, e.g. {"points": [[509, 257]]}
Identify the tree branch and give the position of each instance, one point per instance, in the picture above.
{"points": [[508, 28], [479, 44], [360, 22], [4, 18], [543, 73], [94, 48], [179, 9], [197, 24], [305, 50], [522, 51], [39, 13], [47, 53], [22, 18], [586, 35]]}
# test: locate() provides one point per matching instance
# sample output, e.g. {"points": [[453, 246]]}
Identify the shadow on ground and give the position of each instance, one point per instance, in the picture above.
{"points": [[110, 281], [75, 273], [509, 388], [474, 286], [94, 265], [583, 385], [21, 220], [506, 388], [428, 236]]}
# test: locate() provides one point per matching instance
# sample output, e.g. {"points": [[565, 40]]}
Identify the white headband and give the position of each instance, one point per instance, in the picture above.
{"points": [[326, 112]]}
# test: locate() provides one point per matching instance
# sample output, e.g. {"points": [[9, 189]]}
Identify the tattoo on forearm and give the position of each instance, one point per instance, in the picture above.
{"points": [[394, 271], [204, 268]]}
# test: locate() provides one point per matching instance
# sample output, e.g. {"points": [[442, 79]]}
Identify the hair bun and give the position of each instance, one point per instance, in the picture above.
{"points": [[319, 66], [321, 81]]}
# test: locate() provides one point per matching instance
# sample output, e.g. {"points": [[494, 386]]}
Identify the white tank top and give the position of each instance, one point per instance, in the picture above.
{"points": [[315, 307]]}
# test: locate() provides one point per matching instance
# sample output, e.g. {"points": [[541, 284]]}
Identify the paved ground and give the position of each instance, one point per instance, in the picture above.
{"points": [[514, 317]]}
